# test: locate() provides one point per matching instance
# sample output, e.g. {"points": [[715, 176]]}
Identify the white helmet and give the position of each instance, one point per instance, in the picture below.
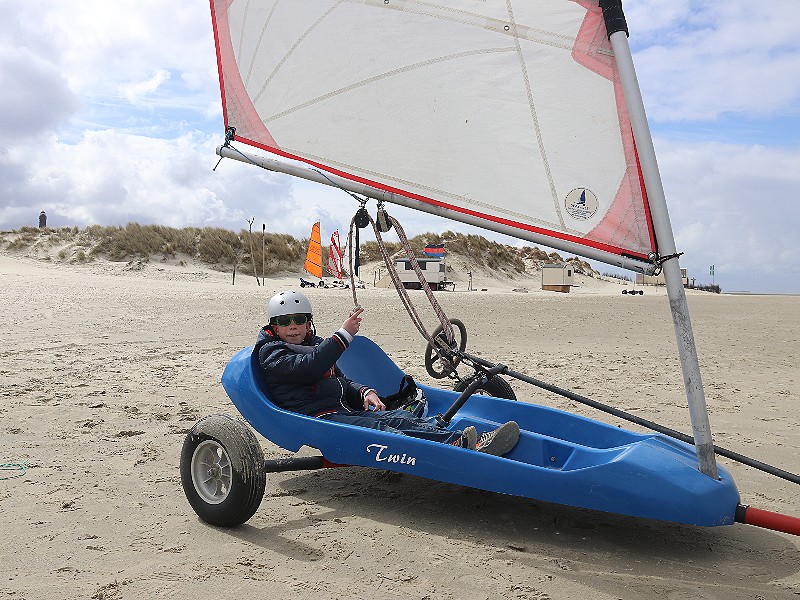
{"points": [[288, 303]]}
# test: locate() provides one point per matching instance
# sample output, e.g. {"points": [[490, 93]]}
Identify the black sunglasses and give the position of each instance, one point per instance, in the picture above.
{"points": [[286, 320]]}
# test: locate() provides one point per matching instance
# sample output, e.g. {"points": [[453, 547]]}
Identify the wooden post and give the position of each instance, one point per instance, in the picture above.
{"points": [[263, 251], [252, 256]]}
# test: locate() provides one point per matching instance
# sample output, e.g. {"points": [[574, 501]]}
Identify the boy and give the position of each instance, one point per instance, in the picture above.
{"points": [[301, 375]]}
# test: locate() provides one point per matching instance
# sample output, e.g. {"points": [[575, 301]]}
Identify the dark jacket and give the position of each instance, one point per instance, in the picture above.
{"points": [[304, 378]]}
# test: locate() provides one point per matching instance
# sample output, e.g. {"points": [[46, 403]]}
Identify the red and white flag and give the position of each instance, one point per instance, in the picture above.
{"points": [[335, 256]]}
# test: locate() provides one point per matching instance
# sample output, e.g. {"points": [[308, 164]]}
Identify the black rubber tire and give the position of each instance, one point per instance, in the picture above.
{"points": [[227, 450], [624, 291], [496, 386], [431, 357]]}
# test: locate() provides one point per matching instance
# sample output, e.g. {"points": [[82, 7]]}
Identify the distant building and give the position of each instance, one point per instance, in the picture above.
{"points": [[558, 278], [434, 268], [42, 220], [434, 272], [642, 279]]}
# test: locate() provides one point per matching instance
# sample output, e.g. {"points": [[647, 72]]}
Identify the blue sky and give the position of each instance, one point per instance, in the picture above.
{"points": [[110, 113]]}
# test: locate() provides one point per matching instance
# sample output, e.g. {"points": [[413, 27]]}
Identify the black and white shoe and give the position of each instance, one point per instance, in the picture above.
{"points": [[499, 441]]}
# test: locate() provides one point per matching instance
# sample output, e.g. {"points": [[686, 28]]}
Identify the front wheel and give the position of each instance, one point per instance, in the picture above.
{"points": [[222, 471], [496, 386]]}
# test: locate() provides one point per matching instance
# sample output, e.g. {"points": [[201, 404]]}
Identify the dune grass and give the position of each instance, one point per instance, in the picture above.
{"points": [[223, 249]]}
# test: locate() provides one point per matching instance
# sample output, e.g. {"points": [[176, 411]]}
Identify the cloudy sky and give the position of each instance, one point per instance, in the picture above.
{"points": [[110, 113]]}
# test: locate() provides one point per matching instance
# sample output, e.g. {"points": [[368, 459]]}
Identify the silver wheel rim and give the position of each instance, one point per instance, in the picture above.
{"points": [[211, 472]]}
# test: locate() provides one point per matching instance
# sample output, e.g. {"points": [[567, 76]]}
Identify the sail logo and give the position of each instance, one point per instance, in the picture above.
{"points": [[382, 455], [581, 204]]}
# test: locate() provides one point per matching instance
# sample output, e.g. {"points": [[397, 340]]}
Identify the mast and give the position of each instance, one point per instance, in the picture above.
{"points": [[618, 35]]}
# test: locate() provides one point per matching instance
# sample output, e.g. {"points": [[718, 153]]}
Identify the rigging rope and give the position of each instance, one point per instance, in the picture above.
{"points": [[386, 222], [401, 290]]}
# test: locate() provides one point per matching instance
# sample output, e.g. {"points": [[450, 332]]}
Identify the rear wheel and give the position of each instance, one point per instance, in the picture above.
{"points": [[496, 386], [222, 471]]}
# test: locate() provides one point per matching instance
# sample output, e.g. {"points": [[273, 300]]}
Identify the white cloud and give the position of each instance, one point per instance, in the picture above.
{"points": [[732, 206], [136, 92], [113, 178], [35, 96], [705, 59], [650, 18], [107, 43]]}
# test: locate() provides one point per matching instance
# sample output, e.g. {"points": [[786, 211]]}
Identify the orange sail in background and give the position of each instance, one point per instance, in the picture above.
{"points": [[314, 255]]}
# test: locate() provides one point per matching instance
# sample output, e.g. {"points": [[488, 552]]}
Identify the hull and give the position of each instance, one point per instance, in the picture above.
{"points": [[561, 457]]}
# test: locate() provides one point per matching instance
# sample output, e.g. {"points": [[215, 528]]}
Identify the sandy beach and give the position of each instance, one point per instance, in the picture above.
{"points": [[104, 369]]}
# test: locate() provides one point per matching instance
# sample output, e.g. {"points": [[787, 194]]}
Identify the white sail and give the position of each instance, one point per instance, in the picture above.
{"points": [[504, 114], [335, 256]]}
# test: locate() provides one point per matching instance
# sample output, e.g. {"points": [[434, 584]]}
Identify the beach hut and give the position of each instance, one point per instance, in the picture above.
{"points": [[434, 269], [642, 279], [557, 278]]}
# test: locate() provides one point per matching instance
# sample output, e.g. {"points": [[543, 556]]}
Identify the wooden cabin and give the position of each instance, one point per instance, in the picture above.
{"points": [[558, 278]]}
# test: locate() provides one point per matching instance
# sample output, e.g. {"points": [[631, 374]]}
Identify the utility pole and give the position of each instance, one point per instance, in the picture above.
{"points": [[263, 251]]}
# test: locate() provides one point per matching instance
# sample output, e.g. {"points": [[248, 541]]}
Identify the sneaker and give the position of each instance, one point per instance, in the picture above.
{"points": [[500, 440], [469, 438]]}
